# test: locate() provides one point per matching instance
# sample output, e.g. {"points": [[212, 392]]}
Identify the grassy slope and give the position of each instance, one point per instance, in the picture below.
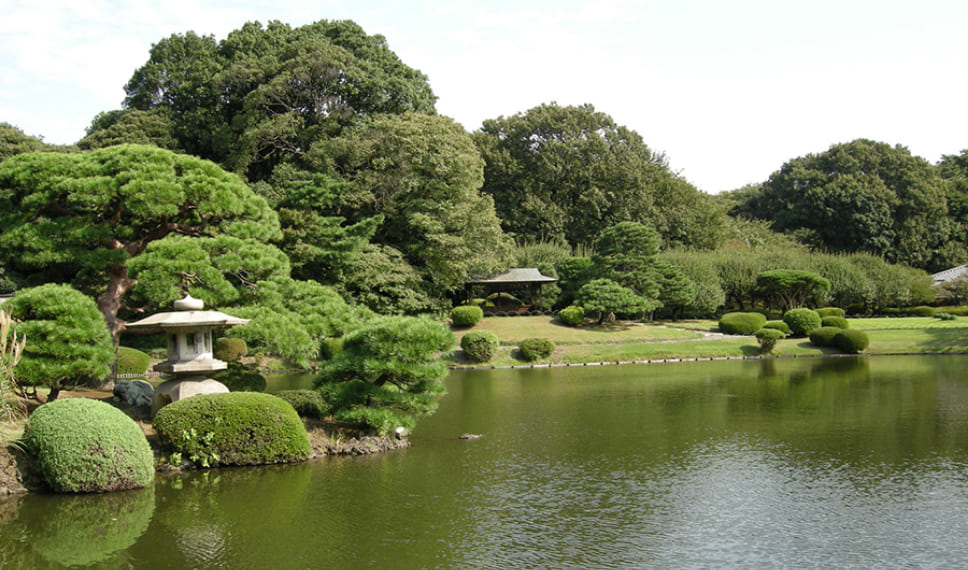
{"points": [[700, 339]]}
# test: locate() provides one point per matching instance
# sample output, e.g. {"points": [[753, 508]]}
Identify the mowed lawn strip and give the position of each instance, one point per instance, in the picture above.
{"points": [[512, 330]]}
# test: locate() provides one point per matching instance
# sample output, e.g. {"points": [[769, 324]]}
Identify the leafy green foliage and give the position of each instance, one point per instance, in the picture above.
{"points": [[479, 346], [85, 446], [132, 361], [802, 321], [307, 403], [130, 126], [68, 342], [330, 347], [536, 348], [831, 321], [229, 349], [777, 325], [831, 312], [388, 373], [741, 323], [851, 341], [922, 311], [238, 428], [604, 297], [768, 338], [791, 288], [824, 336], [572, 316], [13, 141], [466, 315]]}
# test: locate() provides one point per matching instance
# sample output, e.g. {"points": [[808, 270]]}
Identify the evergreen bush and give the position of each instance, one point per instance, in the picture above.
{"points": [[824, 336], [87, 446], [802, 321], [921, 311], [572, 316], [330, 347], [536, 348], [132, 361], [778, 325], [839, 322], [240, 378], [230, 349], [767, 339], [851, 341], [479, 346], [945, 316], [238, 428], [741, 323], [831, 312], [466, 316], [307, 403]]}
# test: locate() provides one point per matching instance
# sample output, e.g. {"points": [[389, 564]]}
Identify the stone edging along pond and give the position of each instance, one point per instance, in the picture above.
{"points": [[698, 359]]}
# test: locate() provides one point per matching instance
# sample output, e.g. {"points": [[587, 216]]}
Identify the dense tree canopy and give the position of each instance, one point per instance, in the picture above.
{"points": [[860, 196], [80, 217]]}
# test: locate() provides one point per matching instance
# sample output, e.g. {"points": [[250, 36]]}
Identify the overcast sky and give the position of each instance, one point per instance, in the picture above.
{"points": [[729, 91]]}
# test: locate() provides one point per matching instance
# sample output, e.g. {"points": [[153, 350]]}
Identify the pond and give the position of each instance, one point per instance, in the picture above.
{"points": [[846, 462]]}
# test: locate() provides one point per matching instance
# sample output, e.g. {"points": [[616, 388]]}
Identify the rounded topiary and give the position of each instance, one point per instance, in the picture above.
{"points": [[307, 403], [88, 446], [536, 348], [240, 378], [479, 346], [466, 316], [572, 316], [802, 321], [824, 336], [330, 347], [132, 361], [839, 322], [237, 428], [767, 339], [851, 341], [921, 311], [230, 349], [831, 312], [741, 323], [777, 325]]}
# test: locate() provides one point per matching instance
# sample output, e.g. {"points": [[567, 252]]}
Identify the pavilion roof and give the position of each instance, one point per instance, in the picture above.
{"points": [[515, 275], [949, 275]]}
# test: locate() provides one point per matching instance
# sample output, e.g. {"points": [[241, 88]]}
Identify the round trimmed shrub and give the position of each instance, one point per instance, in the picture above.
{"points": [[777, 325], [238, 428], [230, 349], [572, 316], [479, 346], [921, 311], [87, 446], [132, 361], [466, 316], [741, 323], [330, 347], [536, 348], [307, 403], [240, 378], [831, 312], [824, 336], [851, 341], [802, 321], [839, 322], [767, 339]]}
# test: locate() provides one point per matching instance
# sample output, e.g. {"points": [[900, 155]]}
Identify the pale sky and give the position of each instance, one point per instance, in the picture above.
{"points": [[729, 91]]}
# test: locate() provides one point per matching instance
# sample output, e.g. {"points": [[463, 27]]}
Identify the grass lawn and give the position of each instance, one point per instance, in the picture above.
{"points": [[512, 330]]}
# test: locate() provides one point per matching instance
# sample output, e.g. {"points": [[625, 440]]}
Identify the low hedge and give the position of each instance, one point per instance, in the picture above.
{"points": [[741, 323], [88, 446], [479, 346], [572, 316], [230, 349], [831, 312], [824, 336], [536, 348], [851, 341], [238, 428], [921, 311], [777, 325], [132, 361], [466, 315], [307, 403], [802, 321], [839, 322]]}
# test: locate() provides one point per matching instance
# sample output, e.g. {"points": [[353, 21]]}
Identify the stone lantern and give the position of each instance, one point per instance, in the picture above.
{"points": [[190, 359]]}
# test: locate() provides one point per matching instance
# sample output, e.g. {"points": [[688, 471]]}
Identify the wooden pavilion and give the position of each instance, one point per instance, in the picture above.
{"points": [[518, 279]]}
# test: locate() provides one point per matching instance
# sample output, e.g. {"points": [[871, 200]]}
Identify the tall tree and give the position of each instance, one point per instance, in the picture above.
{"points": [[81, 217], [954, 169]]}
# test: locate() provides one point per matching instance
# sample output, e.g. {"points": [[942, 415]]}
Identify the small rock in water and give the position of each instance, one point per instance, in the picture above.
{"points": [[471, 436], [400, 432]]}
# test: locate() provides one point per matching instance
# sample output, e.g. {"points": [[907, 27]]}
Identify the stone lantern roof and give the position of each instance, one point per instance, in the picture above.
{"points": [[188, 314]]}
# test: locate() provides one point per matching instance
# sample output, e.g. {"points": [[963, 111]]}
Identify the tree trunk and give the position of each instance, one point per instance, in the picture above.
{"points": [[110, 300]]}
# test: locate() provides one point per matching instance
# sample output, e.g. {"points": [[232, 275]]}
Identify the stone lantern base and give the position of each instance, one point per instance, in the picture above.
{"points": [[181, 388]]}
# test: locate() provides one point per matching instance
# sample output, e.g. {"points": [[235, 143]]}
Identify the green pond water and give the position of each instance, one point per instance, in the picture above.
{"points": [[840, 462]]}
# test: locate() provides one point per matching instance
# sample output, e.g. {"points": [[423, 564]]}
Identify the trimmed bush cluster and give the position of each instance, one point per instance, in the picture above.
{"points": [[479, 346], [945, 316], [572, 316], [767, 339], [132, 361], [851, 341], [802, 321], [240, 378], [230, 349], [238, 428], [536, 348], [307, 403], [824, 336], [741, 323], [831, 312], [778, 325], [87, 446], [466, 315], [839, 322]]}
